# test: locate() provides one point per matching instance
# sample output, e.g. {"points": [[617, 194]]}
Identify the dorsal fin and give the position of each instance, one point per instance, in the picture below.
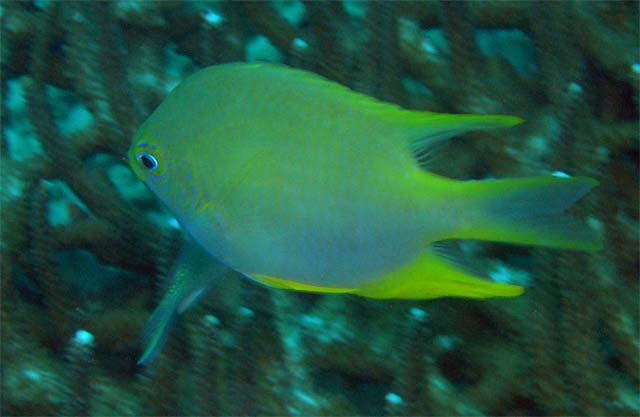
{"points": [[429, 129], [422, 130], [426, 132]]}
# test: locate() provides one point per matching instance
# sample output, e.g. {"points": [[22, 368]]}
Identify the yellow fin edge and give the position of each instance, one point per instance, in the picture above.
{"points": [[298, 286], [432, 277], [426, 278]]}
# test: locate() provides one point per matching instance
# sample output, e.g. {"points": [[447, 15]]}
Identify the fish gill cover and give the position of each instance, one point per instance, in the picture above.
{"points": [[87, 251]]}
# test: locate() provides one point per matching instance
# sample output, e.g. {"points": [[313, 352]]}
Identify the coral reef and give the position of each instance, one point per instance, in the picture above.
{"points": [[86, 249], [79, 375]]}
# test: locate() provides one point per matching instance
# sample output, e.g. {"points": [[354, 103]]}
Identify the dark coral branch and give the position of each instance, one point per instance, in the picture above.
{"points": [[546, 378], [267, 22], [44, 269], [493, 14], [40, 113], [411, 395], [466, 62], [98, 69], [613, 44], [80, 368], [380, 62], [208, 362], [328, 56], [257, 357]]}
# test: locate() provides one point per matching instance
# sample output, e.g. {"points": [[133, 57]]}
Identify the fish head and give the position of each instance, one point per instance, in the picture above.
{"points": [[166, 160]]}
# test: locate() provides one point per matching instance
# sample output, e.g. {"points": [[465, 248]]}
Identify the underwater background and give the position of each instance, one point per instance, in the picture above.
{"points": [[86, 249]]}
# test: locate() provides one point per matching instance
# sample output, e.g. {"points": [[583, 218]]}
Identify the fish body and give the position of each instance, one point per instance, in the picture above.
{"points": [[300, 183]]}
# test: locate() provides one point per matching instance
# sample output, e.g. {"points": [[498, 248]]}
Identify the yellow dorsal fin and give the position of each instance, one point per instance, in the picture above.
{"points": [[432, 277], [442, 122], [420, 129]]}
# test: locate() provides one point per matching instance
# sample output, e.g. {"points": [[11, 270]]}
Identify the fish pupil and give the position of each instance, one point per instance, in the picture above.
{"points": [[148, 161]]}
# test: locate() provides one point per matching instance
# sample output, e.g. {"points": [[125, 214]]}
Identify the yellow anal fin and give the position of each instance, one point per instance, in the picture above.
{"points": [[298, 286], [432, 277], [428, 277]]}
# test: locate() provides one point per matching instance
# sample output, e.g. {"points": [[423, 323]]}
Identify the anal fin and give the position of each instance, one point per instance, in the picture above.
{"points": [[286, 284], [429, 277]]}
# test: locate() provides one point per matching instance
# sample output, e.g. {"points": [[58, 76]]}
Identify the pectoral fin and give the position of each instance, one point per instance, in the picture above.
{"points": [[194, 274]]}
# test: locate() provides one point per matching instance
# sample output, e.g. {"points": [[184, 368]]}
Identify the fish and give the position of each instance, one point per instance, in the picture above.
{"points": [[300, 183]]}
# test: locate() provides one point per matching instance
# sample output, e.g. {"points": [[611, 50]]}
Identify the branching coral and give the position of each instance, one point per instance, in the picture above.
{"points": [[257, 386], [208, 362], [80, 367], [411, 394], [570, 69]]}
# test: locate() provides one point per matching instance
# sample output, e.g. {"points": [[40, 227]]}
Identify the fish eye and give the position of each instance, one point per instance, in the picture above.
{"points": [[149, 161]]}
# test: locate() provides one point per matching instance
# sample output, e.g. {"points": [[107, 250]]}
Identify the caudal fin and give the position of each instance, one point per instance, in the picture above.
{"points": [[529, 211]]}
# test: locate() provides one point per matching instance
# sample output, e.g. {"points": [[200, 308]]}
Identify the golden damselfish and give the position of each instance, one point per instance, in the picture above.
{"points": [[300, 183]]}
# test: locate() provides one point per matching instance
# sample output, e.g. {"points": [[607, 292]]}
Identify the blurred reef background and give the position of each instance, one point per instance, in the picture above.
{"points": [[86, 249]]}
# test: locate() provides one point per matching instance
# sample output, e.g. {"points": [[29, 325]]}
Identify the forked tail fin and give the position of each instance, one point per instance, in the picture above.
{"points": [[528, 211]]}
